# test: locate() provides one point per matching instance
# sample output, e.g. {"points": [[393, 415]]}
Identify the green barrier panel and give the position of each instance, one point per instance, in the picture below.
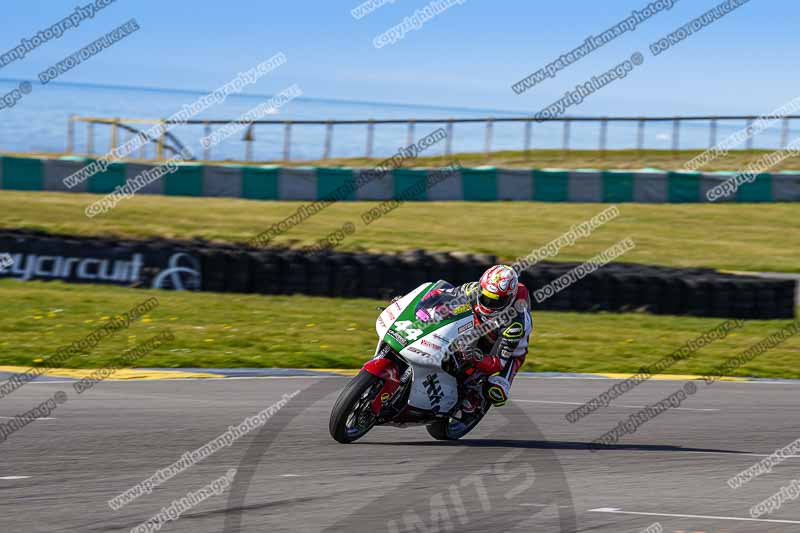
{"points": [[683, 188], [760, 190], [23, 174], [331, 179], [410, 184], [186, 181], [550, 186], [480, 184], [617, 186], [259, 183], [106, 181]]}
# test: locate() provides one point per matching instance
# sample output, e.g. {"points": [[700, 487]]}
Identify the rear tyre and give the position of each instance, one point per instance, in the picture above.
{"points": [[352, 416], [452, 429]]}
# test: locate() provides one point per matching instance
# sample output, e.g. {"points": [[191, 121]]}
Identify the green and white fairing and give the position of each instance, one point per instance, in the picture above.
{"points": [[425, 346]]}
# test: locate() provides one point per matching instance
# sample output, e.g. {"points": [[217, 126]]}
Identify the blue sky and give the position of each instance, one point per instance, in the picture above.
{"points": [[467, 56]]}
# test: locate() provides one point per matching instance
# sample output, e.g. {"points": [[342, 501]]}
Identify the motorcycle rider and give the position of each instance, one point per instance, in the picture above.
{"points": [[502, 325]]}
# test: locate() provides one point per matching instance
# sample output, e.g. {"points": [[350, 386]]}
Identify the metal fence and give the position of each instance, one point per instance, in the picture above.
{"points": [[167, 141]]}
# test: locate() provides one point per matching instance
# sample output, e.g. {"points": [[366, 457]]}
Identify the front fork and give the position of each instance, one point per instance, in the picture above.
{"points": [[387, 370]]}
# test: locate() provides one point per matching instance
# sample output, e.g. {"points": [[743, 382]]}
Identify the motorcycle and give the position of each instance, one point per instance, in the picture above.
{"points": [[418, 375]]}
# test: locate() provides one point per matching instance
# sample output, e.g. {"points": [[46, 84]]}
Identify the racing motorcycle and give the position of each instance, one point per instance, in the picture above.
{"points": [[418, 374]]}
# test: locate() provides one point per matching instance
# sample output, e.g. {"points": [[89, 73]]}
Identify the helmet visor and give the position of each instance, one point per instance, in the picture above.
{"points": [[494, 302]]}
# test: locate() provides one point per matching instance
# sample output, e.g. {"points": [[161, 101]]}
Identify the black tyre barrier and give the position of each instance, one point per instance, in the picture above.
{"points": [[224, 267]]}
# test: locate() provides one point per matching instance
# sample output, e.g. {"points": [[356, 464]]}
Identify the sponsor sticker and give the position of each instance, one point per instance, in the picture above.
{"points": [[397, 337], [430, 344], [418, 351]]}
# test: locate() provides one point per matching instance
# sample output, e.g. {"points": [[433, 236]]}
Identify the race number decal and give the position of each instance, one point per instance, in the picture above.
{"points": [[409, 333]]}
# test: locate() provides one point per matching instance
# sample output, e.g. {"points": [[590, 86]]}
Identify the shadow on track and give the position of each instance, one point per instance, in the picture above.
{"points": [[549, 445]]}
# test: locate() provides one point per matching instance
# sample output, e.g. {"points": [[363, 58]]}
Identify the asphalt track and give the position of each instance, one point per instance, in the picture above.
{"points": [[524, 469]]}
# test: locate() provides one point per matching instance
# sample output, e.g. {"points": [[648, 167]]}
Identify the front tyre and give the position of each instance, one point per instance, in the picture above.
{"points": [[452, 429], [352, 416]]}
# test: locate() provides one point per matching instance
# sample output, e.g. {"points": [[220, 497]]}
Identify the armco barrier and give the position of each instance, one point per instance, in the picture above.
{"points": [[218, 267], [478, 184]]}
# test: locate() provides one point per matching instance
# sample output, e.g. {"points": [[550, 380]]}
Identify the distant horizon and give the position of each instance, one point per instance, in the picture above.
{"points": [[142, 88]]}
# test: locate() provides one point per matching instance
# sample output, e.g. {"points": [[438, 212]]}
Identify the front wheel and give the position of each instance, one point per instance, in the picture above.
{"points": [[352, 416], [452, 429]]}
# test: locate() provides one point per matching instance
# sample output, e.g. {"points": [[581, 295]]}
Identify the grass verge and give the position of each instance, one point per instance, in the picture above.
{"points": [[229, 330]]}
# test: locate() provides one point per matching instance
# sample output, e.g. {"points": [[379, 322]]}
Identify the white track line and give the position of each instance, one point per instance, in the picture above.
{"points": [[11, 478], [614, 510], [40, 418], [625, 406]]}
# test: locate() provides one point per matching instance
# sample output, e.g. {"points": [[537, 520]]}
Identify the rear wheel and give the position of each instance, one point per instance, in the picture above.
{"points": [[352, 416], [452, 429]]}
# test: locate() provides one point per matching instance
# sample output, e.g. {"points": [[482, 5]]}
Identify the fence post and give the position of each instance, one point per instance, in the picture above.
{"points": [[676, 134], [640, 135], [71, 134], [565, 140], [90, 140], [162, 133], [207, 134], [328, 139], [713, 139], [448, 145], [287, 140], [603, 133], [249, 137], [487, 144], [410, 134], [114, 134], [370, 137], [527, 136], [785, 133]]}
